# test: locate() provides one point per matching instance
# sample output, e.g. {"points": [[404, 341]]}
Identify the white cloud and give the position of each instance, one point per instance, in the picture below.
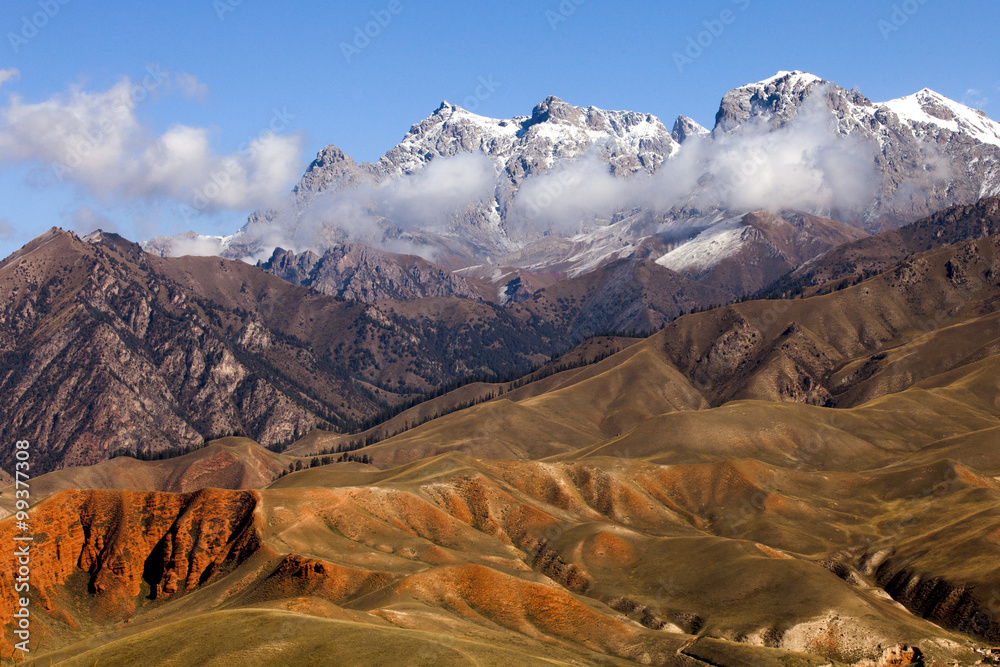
{"points": [[6, 75], [6, 229], [429, 200], [95, 141], [197, 245], [570, 195], [805, 165], [190, 86]]}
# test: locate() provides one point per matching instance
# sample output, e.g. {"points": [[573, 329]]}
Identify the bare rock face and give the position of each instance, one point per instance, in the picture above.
{"points": [[732, 350], [953, 604], [773, 100], [332, 169], [525, 145], [357, 272]]}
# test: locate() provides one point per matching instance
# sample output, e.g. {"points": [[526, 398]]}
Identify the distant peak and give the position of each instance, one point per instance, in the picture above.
{"points": [[56, 232], [554, 108], [552, 102], [927, 92], [685, 128], [794, 76], [331, 150], [330, 155]]}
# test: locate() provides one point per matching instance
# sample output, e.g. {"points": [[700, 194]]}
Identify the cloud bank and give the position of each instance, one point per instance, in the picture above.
{"points": [[95, 141], [388, 215]]}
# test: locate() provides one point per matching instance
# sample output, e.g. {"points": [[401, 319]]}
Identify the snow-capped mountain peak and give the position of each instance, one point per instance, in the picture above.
{"points": [[774, 99]]}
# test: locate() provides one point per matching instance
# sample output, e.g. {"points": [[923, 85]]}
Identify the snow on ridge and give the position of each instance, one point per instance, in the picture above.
{"points": [[913, 109], [718, 242], [797, 76], [504, 139], [500, 125]]}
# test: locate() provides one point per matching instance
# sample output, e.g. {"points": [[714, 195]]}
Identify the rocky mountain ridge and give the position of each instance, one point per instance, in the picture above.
{"points": [[356, 272]]}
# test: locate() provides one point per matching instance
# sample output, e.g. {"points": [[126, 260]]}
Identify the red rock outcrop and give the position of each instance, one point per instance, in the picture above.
{"points": [[131, 547]]}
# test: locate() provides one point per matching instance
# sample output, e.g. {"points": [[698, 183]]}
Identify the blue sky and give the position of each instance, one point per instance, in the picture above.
{"points": [[219, 73]]}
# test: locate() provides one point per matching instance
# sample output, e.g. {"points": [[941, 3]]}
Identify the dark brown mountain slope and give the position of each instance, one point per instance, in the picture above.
{"points": [[772, 246], [827, 350], [626, 295], [878, 253], [106, 347], [932, 315]]}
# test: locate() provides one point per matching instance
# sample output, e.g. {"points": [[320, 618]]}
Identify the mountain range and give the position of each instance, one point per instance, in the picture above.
{"points": [[568, 188]]}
